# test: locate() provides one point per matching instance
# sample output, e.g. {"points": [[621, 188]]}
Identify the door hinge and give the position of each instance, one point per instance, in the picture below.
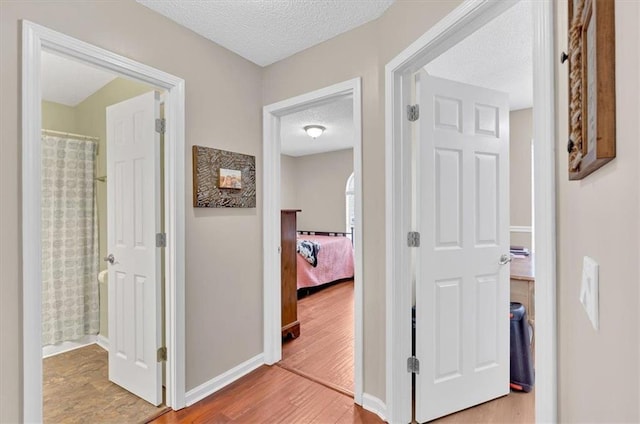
{"points": [[161, 125], [413, 365], [162, 354], [413, 239], [161, 240], [413, 112]]}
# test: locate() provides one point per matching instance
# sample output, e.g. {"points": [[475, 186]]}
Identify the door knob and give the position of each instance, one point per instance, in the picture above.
{"points": [[111, 259], [504, 259]]}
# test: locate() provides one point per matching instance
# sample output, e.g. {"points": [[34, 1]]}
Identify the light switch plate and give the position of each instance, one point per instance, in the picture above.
{"points": [[589, 290]]}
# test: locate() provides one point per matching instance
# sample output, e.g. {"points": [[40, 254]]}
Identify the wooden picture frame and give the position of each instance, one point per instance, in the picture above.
{"points": [[592, 97], [223, 179]]}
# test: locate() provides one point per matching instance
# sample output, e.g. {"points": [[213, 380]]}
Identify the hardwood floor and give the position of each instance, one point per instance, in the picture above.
{"points": [[273, 395], [289, 392], [515, 408], [324, 350], [76, 389]]}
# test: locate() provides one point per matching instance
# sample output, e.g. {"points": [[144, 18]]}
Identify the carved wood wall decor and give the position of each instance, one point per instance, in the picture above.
{"points": [[212, 191], [592, 97]]}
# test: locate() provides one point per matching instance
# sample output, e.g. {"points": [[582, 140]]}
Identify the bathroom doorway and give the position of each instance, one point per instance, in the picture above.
{"points": [[36, 39], [89, 319]]}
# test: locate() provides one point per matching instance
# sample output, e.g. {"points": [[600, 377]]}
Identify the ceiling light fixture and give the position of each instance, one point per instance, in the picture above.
{"points": [[314, 131]]}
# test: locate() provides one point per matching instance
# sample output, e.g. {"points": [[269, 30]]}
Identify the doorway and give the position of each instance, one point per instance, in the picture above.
{"points": [[317, 290], [457, 26], [81, 308], [273, 117], [37, 39]]}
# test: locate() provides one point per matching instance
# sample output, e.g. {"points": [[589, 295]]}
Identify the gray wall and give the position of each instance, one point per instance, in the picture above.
{"points": [[362, 52], [224, 110], [598, 371], [316, 184], [288, 177], [599, 217], [520, 135]]}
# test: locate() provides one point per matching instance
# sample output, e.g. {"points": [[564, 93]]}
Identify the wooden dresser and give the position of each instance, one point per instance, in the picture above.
{"points": [[523, 285], [289, 297]]}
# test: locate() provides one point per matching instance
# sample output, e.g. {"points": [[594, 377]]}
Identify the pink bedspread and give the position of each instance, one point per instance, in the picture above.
{"points": [[335, 261]]}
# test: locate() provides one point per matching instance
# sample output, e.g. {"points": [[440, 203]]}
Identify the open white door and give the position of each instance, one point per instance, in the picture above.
{"points": [[133, 219], [462, 283]]}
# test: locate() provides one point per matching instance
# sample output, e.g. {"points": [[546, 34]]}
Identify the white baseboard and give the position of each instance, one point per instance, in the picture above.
{"points": [[520, 229], [102, 341], [224, 379], [375, 405], [62, 347]]}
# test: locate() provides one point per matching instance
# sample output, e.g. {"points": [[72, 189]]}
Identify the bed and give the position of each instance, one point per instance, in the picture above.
{"points": [[334, 259]]}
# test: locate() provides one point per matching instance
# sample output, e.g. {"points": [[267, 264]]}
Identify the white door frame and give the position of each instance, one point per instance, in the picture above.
{"points": [[271, 218], [35, 39], [461, 22]]}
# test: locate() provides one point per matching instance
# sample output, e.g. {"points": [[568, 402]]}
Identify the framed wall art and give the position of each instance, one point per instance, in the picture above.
{"points": [[223, 179], [592, 96]]}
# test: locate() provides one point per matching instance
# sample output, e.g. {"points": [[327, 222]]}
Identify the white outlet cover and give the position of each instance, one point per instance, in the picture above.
{"points": [[589, 290]]}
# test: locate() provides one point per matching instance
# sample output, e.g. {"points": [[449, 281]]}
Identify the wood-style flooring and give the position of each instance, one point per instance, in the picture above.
{"points": [[515, 408], [273, 395], [76, 389], [324, 350], [308, 394]]}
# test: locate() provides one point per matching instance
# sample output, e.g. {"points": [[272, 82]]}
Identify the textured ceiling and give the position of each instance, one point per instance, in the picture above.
{"points": [[266, 31], [497, 56], [336, 116], [68, 82]]}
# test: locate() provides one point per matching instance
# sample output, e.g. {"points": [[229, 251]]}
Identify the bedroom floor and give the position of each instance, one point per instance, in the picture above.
{"points": [[76, 389], [324, 350]]}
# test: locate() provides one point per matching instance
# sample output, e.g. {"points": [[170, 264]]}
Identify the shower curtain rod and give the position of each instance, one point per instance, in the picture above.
{"points": [[88, 137]]}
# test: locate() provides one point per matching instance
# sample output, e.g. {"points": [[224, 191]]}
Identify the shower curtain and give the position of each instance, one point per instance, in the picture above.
{"points": [[70, 297]]}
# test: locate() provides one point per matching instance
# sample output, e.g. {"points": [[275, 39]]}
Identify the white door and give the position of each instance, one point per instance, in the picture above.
{"points": [[133, 219], [462, 289]]}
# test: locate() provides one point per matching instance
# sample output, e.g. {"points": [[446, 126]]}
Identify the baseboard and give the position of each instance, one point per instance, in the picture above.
{"points": [[224, 379], [375, 405], [52, 350], [102, 341]]}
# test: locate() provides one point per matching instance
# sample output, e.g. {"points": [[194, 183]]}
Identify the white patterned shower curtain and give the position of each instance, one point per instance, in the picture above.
{"points": [[70, 297]]}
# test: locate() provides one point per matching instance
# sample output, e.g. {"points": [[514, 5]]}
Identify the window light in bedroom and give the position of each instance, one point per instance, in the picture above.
{"points": [[314, 131]]}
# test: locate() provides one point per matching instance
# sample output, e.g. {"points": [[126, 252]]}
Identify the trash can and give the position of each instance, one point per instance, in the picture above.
{"points": [[522, 375]]}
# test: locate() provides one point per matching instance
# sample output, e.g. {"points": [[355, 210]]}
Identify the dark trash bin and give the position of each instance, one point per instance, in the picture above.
{"points": [[522, 375]]}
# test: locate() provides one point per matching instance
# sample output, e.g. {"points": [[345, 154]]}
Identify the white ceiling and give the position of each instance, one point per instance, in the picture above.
{"points": [[497, 56], [69, 82], [264, 31], [336, 116]]}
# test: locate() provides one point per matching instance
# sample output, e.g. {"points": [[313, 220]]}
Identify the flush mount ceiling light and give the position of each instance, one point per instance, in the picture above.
{"points": [[314, 130]]}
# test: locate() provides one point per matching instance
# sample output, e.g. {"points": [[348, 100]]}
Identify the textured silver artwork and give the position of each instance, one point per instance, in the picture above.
{"points": [[207, 190]]}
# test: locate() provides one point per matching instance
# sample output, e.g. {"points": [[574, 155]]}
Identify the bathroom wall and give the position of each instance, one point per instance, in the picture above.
{"points": [[58, 117]]}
